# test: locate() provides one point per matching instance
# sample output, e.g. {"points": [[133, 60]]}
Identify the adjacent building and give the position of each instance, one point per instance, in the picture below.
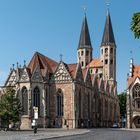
{"points": [[82, 94], [133, 96]]}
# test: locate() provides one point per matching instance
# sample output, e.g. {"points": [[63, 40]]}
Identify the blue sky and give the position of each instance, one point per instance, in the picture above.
{"points": [[53, 27]]}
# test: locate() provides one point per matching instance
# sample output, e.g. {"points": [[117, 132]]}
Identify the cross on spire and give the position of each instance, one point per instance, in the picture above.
{"points": [[107, 5], [84, 9], [61, 55], [131, 53]]}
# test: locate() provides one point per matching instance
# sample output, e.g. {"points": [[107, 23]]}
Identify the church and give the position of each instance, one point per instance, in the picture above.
{"points": [[133, 96], [78, 95]]}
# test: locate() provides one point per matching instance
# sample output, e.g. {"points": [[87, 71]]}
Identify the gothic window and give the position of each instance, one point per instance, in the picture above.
{"points": [[60, 103], [106, 61], [36, 98], [24, 100], [111, 50], [88, 105], [106, 50], [106, 109], [87, 53], [79, 104], [136, 91]]}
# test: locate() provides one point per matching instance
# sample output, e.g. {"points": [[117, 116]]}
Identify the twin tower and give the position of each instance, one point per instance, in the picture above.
{"points": [[107, 58]]}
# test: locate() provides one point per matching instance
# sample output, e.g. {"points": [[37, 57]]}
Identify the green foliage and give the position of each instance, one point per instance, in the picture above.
{"points": [[122, 103], [10, 107], [135, 24]]}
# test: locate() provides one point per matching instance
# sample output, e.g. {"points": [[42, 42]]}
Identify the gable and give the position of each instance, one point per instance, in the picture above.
{"points": [[95, 83], [24, 76], [61, 74], [88, 78], [37, 77], [106, 86], [11, 80], [79, 74], [101, 87]]}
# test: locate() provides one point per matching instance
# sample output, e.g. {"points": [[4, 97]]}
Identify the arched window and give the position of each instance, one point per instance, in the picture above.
{"points": [[136, 91], [60, 103], [88, 101], [24, 100], [106, 50], [36, 98]]}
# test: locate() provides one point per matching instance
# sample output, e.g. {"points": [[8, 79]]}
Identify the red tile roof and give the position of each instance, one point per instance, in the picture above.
{"points": [[46, 64], [135, 74], [72, 69], [84, 72], [95, 63]]}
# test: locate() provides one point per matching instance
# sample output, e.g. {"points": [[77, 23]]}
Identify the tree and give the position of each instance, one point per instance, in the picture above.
{"points": [[122, 103], [135, 24], [10, 107]]}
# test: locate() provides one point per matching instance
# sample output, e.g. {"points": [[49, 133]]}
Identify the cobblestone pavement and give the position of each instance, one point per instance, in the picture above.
{"points": [[105, 134], [72, 134], [41, 134]]}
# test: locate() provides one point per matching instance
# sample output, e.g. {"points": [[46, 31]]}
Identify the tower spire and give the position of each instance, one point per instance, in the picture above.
{"points": [[84, 41], [84, 50], [108, 35]]}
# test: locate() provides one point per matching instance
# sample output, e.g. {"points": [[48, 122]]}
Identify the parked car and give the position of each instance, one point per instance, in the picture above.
{"points": [[115, 125]]}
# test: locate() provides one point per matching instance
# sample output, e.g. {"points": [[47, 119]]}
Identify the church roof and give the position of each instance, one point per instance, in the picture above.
{"points": [[108, 36], [45, 63], [135, 74], [84, 37], [72, 69], [96, 63], [84, 72]]}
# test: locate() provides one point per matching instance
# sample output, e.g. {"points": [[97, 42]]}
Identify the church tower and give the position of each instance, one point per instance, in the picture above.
{"points": [[84, 50], [108, 51]]}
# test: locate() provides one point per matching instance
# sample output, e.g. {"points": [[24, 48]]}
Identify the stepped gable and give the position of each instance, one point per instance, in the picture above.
{"points": [[46, 64], [95, 63], [135, 74]]}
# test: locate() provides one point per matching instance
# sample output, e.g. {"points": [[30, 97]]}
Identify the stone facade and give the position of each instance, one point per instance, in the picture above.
{"points": [[77, 95]]}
